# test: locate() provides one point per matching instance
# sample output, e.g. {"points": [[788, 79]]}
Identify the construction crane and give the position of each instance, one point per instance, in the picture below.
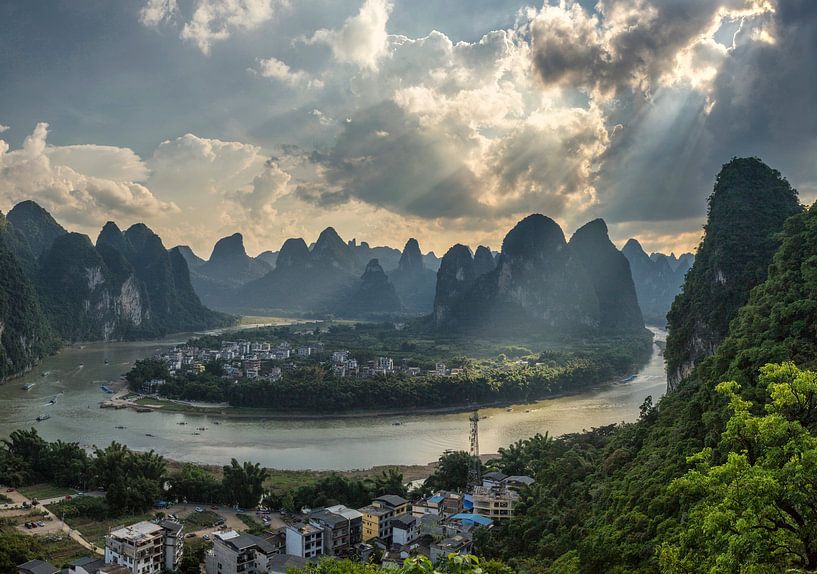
{"points": [[475, 470]]}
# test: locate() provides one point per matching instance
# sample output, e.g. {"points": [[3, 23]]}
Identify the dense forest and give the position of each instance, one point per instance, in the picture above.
{"points": [[717, 477]]}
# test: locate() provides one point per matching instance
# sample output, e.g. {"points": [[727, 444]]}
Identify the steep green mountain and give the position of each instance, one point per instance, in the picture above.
{"points": [[609, 272], [455, 279], [374, 294], [747, 209], [24, 332], [128, 286], [610, 500], [268, 257], [388, 257], [414, 283], [658, 279], [330, 251], [37, 225], [540, 284]]}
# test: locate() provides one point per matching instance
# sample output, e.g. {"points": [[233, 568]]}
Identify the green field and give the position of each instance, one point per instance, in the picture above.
{"points": [[94, 530], [45, 490], [59, 549], [199, 520]]}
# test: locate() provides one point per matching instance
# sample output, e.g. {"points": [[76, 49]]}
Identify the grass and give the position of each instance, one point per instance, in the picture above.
{"points": [[94, 530], [199, 520], [45, 490], [253, 525], [4, 499], [281, 481], [60, 548]]}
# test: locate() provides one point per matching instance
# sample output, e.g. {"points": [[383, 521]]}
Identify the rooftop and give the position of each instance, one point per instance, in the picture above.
{"points": [[404, 521], [38, 567], [469, 518], [391, 500], [137, 531]]}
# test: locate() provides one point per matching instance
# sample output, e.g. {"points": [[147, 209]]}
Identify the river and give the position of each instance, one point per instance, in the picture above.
{"points": [[73, 376]]}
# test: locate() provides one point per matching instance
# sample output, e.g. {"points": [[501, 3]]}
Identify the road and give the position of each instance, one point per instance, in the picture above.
{"points": [[53, 524]]}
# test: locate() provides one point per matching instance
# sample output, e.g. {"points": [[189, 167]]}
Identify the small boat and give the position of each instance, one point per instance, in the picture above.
{"points": [[81, 365], [27, 387], [106, 361], [216, 422], [148, 434], [628, 378], [42, 418], [201, 428], [196, 433], [396, 424], [181, 423], [106, 389], [120, 427], [52, 402]]}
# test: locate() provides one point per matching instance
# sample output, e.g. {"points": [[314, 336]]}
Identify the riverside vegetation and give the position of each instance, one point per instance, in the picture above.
{"points": [[310, 386]]}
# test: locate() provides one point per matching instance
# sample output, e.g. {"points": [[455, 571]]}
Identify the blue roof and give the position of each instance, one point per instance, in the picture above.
{"points": [[468, 502], [436, 498], [468, 518]]}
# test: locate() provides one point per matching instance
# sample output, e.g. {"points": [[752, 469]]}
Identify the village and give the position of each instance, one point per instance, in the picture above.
{"points": [[265, 541]]}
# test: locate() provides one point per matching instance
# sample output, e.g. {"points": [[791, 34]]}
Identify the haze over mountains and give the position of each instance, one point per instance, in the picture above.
{"points": [[127, 285]]}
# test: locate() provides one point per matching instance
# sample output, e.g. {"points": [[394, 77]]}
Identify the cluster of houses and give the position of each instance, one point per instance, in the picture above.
{"points": [[265, 360], [390, 526]]}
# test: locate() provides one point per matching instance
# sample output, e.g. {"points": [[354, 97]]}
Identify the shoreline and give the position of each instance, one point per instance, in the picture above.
{"points": [[241, 412]]}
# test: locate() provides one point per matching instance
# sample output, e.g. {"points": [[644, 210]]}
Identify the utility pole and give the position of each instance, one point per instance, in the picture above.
{"points": [[475, 470]]}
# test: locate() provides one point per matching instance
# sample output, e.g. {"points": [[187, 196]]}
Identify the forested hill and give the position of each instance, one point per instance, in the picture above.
{"points": [[747, 209], [629, 499], [24, 332]]}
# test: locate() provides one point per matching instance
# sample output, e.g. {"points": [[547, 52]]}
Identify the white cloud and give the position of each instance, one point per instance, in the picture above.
{"points": [[275, 69], [211, 20], [362, 40], [106, 162], [3, 128], [156, 12], [29, 173]]}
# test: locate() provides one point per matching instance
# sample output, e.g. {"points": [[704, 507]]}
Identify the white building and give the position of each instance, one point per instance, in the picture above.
{"points": [[139, 547], [304, 540], [405, 529]]}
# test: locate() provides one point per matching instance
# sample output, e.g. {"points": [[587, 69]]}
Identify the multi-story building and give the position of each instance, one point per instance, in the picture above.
{"points": [[235, 553], [377, 516], [459, 544], [139, 547], [173, 544], [340, 533], [405, 529], [495, 502], [442, 503], [304, 540]]}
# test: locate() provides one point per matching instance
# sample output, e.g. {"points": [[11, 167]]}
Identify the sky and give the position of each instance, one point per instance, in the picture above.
{"points": [[447, 121]]}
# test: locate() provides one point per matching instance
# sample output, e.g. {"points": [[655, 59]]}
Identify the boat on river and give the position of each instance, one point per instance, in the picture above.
{"points": [[628, 378], [106, 389], [42, 418], [27, 387]]}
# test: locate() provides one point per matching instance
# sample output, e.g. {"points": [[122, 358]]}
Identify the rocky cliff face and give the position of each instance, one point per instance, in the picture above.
{"points": [[540, 284], [373, 294], [127, 286], [24, 332], [658, 279], [484, 261], [455, 278], [414, 283], [747, 210], [609, 273]]}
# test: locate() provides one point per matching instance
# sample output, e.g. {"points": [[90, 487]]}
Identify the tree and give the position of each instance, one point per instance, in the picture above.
{"points": [[755, 511], [390, 481], [243, 484], [451, 472]]}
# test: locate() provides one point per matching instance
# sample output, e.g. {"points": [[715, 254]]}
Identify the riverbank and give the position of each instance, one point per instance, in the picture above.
{"points": [[141, 403]]}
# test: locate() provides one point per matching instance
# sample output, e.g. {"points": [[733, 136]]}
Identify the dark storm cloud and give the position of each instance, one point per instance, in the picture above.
{"points": [[663, 164], [386, 158]]}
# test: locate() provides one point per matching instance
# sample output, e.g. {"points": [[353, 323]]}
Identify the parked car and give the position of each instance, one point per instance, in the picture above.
{"points": [[199, 509], [9, 490], [190, 535]]}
